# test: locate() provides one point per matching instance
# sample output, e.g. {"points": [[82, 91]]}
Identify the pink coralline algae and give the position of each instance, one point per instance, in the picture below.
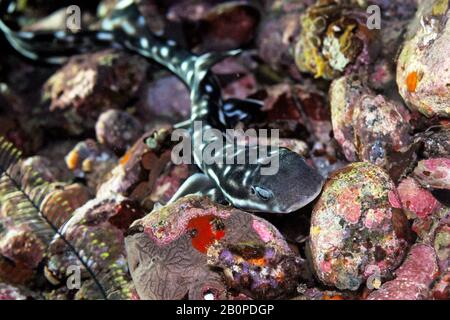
{"points": [[171, 252], [433, 173], [91, 83], [355, 229], [416, 201], [263, 231], [414, 277]]}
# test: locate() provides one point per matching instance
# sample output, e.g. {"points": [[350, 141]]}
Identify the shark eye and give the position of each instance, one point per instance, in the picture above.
{"points": [[262, 193]]}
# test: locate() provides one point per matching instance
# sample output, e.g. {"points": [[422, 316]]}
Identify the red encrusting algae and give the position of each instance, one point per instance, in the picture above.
{"points": [[203, 232]]}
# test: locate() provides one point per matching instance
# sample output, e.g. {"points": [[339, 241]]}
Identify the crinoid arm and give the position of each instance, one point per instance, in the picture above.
{"points": [[23, 194]]}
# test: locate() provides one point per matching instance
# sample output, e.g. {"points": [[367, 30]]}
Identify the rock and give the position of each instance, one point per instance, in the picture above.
{"points": [[199, 249], [442, 245], [59, 204], [276, 39], [357, 228], [280, 111], [21, 251], [437, 144], [314, 106], [326, 158], [371, 128], [169, 182], [90, 83], [55, 152], [42, 166], [16, 124], [49, 169], [8, 292], [422, 76], [416, 201], [441, 290], [139, 169], [334, 40], [215, 26], [188, 11], [91, 161], [297, 111], [236, 76], [166, 98], [414, 277], [382, 76], [117, 130], [343, 95], [382, 133], [395, 17], [228, 26], [427, 226]]}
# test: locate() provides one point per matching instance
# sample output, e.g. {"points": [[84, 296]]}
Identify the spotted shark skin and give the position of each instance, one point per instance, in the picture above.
{"points": [[293, 186]]}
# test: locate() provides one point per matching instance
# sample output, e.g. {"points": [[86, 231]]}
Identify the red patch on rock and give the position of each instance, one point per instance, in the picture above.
{"points": [[415, 199], [204, 231], [350, 208]]}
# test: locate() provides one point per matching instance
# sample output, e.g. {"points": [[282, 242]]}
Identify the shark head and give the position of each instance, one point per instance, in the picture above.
{"points": [[292, 186]]}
